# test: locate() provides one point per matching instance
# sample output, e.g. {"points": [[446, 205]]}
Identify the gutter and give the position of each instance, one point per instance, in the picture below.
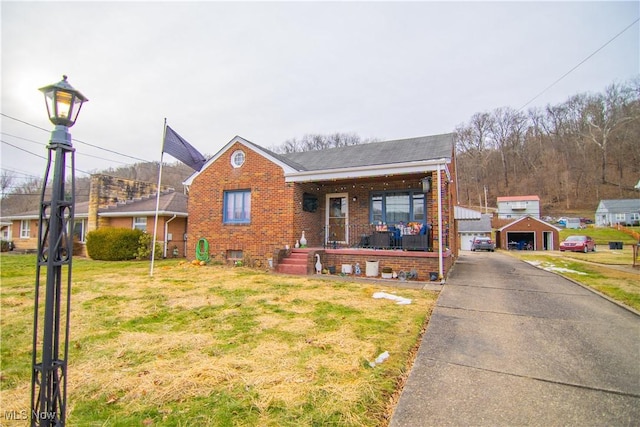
{"points": [[440, 255], [166, 230], [366, 171]]}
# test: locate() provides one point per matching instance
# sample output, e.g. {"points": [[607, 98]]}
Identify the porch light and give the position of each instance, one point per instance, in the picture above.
{"points": [[426, 184], [63, 102]]}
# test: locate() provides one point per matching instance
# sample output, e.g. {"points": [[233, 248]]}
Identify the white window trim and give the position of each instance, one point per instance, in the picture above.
{"points": [[236, 155], [25, 232], [136, 223]]}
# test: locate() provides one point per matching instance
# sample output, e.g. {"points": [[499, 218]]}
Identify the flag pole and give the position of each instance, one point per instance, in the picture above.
{"points": [[155, 222]]}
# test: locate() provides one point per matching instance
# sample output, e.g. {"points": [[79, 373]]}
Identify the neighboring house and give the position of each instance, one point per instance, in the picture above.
{"points": [[5, 231], [518, 206], [623, 211], [23, 227], [250, 203], [528, 233], [138, 213], [472, 227]]}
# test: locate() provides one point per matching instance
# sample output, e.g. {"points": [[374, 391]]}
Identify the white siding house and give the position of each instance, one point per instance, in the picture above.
{"points": [[622, 211], [518, 207]]}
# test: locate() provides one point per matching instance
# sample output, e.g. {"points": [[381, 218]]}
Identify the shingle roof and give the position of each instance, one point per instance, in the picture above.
{"points": [[621, 205], [172, 202], [375, 153], [483, 225], [517, 198]]}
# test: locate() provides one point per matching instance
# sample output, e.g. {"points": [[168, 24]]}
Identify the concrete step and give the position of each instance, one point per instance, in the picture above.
{"points": [[295, 263], [295, 260], [292, 269]]}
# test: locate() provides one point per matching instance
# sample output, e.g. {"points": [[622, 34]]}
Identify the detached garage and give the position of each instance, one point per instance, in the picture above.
{"points": [[470, 229], [528, 233]]}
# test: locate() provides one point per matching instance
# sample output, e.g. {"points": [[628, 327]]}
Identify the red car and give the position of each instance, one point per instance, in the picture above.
{"points": [[578, 244]]}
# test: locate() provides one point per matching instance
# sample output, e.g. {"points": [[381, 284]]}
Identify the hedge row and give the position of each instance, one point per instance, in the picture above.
{"points": [[113, 244]]}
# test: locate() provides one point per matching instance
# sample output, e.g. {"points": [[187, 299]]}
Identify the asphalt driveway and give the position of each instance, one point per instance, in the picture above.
{"points": [[509, 344]]}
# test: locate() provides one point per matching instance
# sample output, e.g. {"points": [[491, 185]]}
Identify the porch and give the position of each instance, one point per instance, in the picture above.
{"points": [[412, 265], [413, 237]]}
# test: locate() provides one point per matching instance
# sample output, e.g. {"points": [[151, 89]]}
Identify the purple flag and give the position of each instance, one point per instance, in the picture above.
{"points": [[176, 146]]}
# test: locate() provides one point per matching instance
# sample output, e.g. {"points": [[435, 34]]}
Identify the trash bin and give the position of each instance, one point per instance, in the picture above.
{"points": [[371, 269]]}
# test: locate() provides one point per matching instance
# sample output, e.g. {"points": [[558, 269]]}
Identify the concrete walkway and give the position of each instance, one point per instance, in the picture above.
{"points": [[512, 345]]}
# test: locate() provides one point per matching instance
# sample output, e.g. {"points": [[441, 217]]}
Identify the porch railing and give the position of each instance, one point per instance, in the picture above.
{"points": [[371, 237]]}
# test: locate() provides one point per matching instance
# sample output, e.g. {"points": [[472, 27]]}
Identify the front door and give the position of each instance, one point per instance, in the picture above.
{"points": [[337, 218]]}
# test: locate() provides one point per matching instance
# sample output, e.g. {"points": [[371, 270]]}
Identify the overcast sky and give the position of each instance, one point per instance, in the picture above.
{"points": [[273, 71]]}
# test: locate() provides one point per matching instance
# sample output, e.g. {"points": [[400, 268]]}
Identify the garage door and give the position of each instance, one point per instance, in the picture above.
{"points": [[466, 239]]}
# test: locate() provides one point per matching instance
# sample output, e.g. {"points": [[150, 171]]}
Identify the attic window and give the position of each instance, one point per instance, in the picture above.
{"points": [[237, 158]]}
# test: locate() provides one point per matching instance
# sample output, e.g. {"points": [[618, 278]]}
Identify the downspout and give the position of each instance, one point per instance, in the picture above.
{"points": [[440, 258], [166, 233]]}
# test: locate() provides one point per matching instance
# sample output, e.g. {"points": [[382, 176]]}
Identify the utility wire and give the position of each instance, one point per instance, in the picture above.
{"points": [[77, 140], [579, 64], [77, 152], [38, 155]]}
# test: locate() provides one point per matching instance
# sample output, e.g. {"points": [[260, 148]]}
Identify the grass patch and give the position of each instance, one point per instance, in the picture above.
{"points": [[607, 271], [601, 235], [214, 345]]}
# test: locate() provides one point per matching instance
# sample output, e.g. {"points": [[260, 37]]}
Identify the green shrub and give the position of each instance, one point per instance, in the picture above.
{"points": [[113, 244], [6, 245], [144, 247]]}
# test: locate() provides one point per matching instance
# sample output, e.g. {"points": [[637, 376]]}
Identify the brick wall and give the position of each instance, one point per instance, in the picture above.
{"points": [[272, 211]]}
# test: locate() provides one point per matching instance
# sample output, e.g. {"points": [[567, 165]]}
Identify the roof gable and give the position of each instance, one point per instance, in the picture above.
{"points": [[286, 165], [530, 218]]}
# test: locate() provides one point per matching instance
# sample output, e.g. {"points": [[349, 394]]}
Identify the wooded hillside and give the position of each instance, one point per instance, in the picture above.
{"points": [[571, 155]]}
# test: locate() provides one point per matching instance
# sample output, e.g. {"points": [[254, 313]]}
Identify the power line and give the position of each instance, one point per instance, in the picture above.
{"points": [[77, 152], [76, 140], [579, 64], [38, 155]]}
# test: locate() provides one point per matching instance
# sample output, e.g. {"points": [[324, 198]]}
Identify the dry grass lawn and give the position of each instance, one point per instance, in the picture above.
{"points": [[200, 346]]}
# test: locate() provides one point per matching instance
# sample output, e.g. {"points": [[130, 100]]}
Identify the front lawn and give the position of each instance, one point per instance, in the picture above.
{"points": [[215, 346]]}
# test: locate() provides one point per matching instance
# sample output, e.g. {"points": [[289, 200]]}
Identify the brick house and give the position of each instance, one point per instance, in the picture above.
{"points": [[117, 203], [352, 204]]}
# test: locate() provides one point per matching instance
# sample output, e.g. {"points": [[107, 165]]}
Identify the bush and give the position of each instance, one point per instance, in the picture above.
{"points": [[144, 247], [113, 244], [6, 245]]}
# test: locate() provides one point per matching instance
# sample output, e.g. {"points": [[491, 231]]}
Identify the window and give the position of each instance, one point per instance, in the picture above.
{"points": [[25, 229], [234, 254], [80, 230], [237, 158], [394, 206], [237, 207], [140, 223]]}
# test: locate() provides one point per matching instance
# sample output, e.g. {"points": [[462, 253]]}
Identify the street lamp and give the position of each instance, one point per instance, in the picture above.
{"points": [[55, 250]]}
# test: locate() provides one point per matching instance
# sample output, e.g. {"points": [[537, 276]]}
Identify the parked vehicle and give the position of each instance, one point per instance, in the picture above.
{"points": [[483, 244], [578, 244]]}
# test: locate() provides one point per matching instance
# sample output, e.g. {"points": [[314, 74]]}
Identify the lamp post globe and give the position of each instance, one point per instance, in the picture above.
{"points": [[63, 106]]}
